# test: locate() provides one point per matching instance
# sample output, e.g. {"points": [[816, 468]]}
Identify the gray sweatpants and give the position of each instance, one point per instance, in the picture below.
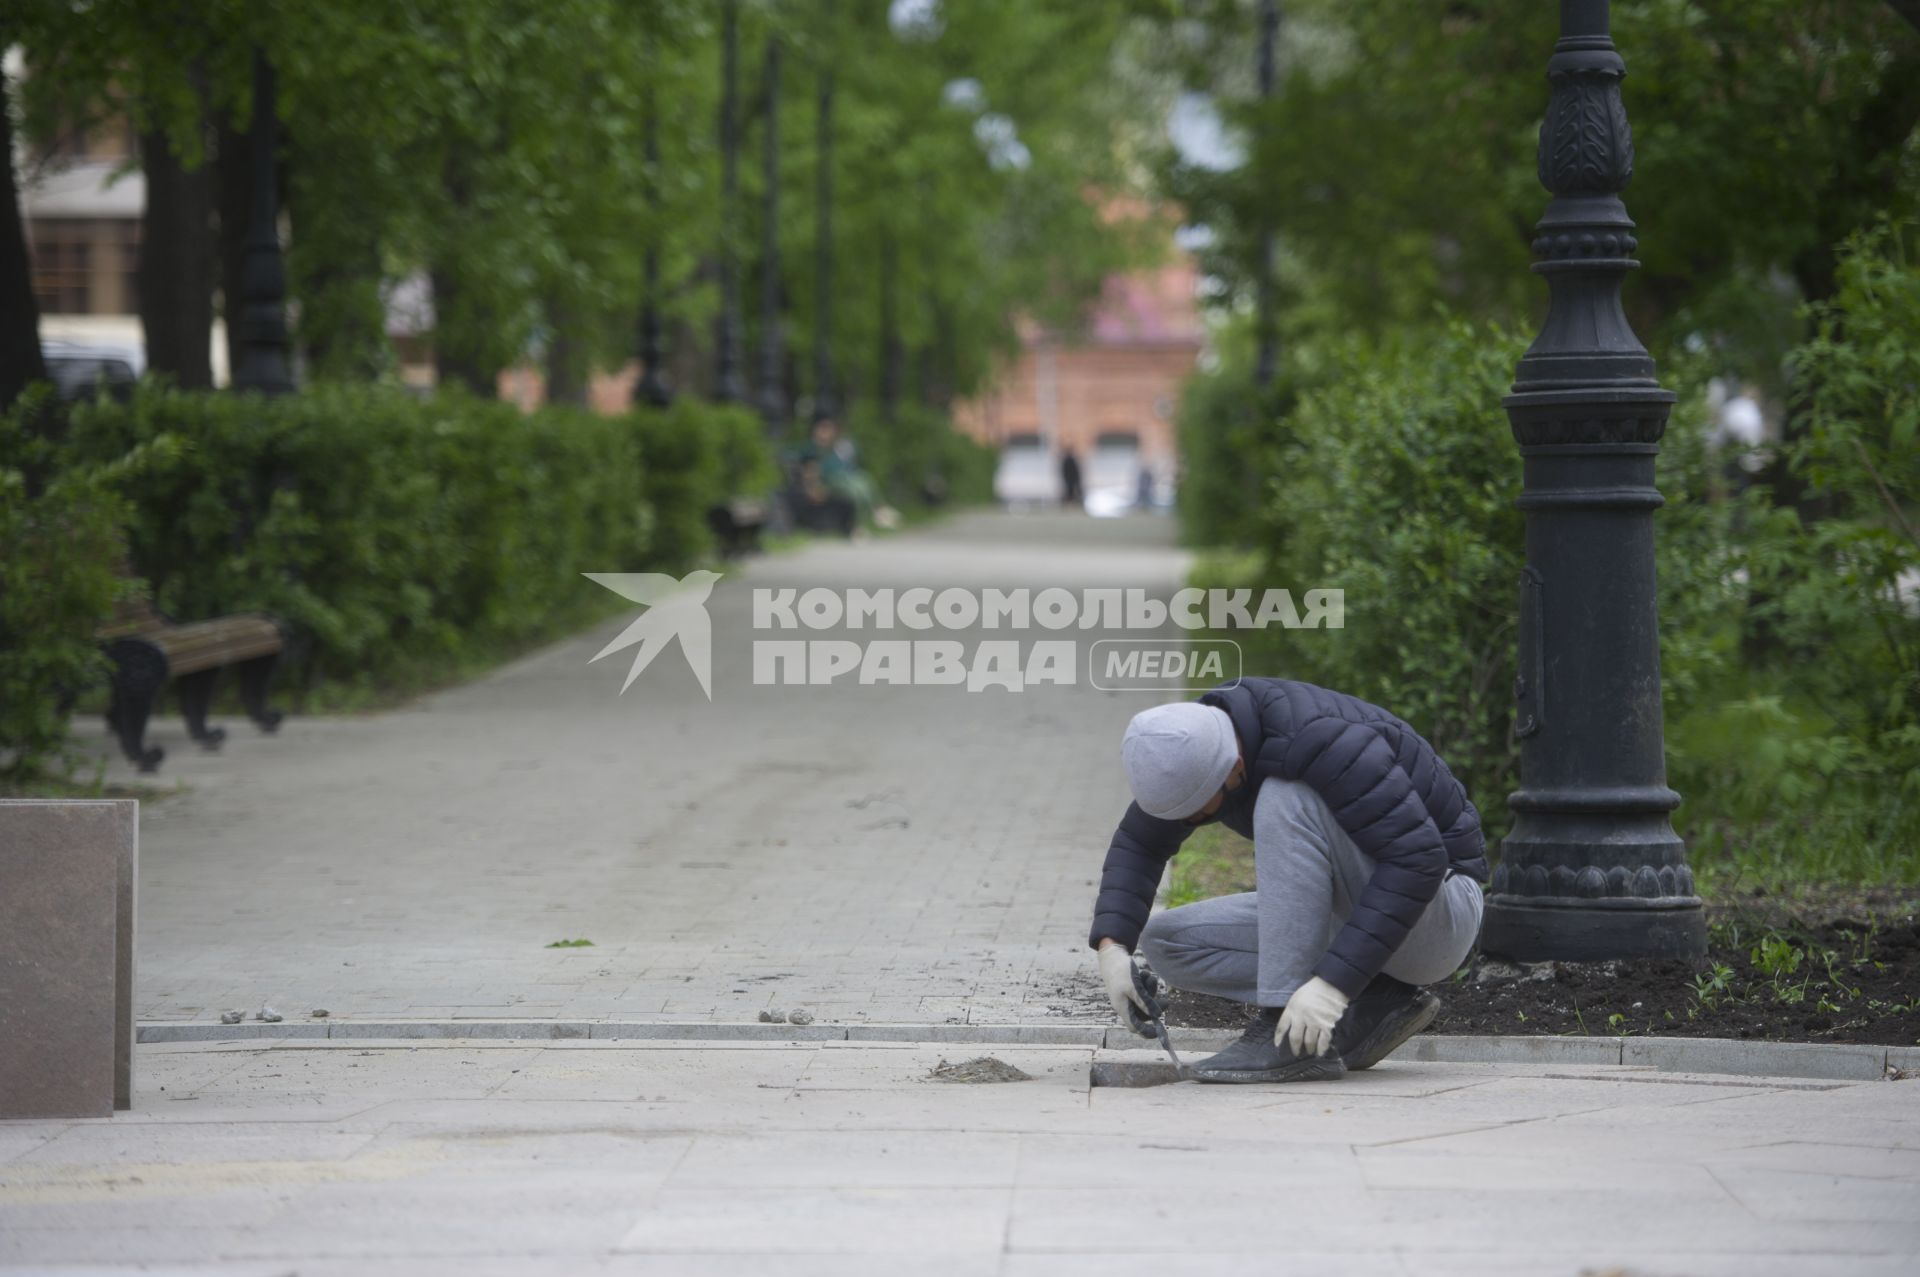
{"points": [[1259, 946]]}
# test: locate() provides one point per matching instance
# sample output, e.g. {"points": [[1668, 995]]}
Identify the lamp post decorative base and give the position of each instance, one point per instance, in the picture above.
{"points": [[1593, 868], [1589, 933]]}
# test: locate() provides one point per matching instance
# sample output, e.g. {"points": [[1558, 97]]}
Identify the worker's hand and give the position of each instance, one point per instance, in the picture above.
{"points": [[1116, 970], [1306, 1025]]}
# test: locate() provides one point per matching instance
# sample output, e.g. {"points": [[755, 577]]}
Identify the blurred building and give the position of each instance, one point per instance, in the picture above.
{"points": [[82, 199], [1108, 395]]}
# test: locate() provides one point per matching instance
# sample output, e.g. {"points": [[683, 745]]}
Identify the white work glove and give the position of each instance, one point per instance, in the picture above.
{"points": [[1116, 970], [1306, 1025]]}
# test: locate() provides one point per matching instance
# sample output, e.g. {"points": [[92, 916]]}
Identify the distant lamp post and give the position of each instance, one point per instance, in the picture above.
{"points": [[1266, 333], [891, 351], [823, 398], [1592, 868], [727, 384], [263, 365], [652, 388], [773, 391]]}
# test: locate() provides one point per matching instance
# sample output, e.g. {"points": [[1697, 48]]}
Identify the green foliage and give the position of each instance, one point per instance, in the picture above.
{"points": [[920, 460], [498, 146], [389, 529], [1231, 438], [694, 456], [1788, 648], [1801, 745], [1396, 159], [59, 538], [1395, 482]]}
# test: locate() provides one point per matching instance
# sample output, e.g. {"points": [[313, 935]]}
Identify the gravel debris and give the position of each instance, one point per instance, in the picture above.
{"points": [[981, 1069]]}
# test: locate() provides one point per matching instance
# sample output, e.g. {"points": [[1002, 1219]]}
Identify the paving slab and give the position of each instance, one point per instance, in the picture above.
{"points": [[873, 854], [687, 1157]]}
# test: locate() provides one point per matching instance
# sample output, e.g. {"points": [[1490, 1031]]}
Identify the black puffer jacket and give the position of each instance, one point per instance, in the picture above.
{"points": [[1385, 785]]}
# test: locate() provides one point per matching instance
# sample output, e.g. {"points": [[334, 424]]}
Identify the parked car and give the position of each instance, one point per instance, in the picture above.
{"points": [[82, 370], [1028, 474]]}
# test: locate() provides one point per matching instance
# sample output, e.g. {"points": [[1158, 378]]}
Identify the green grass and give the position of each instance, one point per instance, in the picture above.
{"points": [[1214, 861]]}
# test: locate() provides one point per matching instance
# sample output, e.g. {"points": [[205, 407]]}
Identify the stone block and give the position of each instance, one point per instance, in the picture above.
{"points": [[1834, 1062], [67, 886], [701, 1032], [202, 1031], [1466, 1048], [983, 1034]]}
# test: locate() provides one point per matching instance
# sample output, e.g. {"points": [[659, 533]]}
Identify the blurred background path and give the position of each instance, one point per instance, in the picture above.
{"points": [[872, 854]]}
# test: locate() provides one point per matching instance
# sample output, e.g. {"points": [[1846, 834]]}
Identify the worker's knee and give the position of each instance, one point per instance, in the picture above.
{"points": [[1169, 943], [1160, 942]]}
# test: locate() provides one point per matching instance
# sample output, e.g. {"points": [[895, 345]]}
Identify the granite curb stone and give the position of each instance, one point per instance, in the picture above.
{"points": [[1836, 1061], [1726, 1055]]}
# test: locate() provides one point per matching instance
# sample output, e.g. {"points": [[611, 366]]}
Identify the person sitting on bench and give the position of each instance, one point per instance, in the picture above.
{"points": [[1368, 864]]}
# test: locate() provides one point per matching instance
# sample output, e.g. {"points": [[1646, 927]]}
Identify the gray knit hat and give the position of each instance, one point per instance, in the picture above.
{"points": [[1177, 756]]}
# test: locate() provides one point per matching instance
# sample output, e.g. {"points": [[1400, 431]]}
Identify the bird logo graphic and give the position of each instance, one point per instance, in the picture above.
{"points": [[675, 610]]}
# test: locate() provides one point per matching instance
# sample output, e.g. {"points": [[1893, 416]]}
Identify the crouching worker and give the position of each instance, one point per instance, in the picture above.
{"points": [[1368, 861]]}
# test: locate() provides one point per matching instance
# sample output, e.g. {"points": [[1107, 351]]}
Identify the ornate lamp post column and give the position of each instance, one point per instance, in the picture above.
{"points": [[263, 362], [773, 394], [727, 385], [1592, 868], [1267, 341], [652, 388], [823, 398]]}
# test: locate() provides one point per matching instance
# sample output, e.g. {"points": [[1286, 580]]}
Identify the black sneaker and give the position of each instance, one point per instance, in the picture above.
{"points": [[1255, 1058], [1380, 1020]]}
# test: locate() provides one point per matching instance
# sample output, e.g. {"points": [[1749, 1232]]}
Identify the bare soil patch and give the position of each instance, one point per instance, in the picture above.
{"points": [[1838, 967]]}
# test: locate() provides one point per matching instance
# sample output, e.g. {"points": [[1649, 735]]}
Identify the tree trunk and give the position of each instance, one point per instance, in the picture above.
{"points": [[335, 263], [457, 357], [21, 362], [566, 357], [234, 194], [177, 265], [453, 366]]}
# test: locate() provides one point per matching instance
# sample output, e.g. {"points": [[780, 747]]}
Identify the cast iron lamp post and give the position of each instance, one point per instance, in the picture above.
{"points": [[263, 362], [652, 388], [1267, 340], [823, 403], [1592, 868], [772, 390], [727, 384]]}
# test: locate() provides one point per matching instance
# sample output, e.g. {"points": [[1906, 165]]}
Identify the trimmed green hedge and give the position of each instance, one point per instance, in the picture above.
{"points": [[920, 453], [1790, 650], [58, 538], [393, 532]]}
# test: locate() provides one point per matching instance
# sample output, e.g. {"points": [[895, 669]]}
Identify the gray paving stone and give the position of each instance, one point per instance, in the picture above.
{"points": [[1906, 1059], [698, 1032], [245, 1030], [540, 804], [1028, 1034], [1469, 1049], [1762, 1059]]}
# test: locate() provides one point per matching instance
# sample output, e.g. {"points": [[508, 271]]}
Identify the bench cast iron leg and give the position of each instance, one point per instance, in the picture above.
{"points": [[196, 695], [254, 677], [139, 672]]}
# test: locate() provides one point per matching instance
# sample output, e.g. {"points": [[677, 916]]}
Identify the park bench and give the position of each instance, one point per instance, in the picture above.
{"points": [[737, 525], [146, 649]]}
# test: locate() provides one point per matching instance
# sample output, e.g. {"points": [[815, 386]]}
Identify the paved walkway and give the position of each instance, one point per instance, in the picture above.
{"points": [[873, 854], [877, 855], [393, 1160]]}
